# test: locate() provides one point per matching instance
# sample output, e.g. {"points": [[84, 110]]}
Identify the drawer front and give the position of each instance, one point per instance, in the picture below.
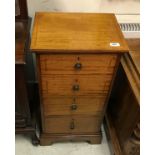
{"points": [[75, 84], [77, 64], [74, 124], [73, 106]]}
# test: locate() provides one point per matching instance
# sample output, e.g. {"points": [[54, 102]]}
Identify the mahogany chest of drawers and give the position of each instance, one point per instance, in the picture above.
{"points": [[77, 58]]}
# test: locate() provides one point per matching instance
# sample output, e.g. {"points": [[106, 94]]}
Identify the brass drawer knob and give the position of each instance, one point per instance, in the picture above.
{"points": [[72, 125], [73, 107], [76, 87], [78, 66]]}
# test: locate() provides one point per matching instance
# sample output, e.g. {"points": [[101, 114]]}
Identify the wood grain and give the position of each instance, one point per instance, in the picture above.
{"points": [[24, 120], [21, 38], [48, 138], [73, 51], [63, 105], [134, 53], [124, 104], [111, 132], [63, 124], [23, 10], [63, 84], [132, 75], [65, 64], [74, 32]]}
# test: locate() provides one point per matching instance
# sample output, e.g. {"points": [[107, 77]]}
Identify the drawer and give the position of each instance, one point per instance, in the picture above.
{"points": [[77, 64], [74, 124], [73, 105], [75, 84]]}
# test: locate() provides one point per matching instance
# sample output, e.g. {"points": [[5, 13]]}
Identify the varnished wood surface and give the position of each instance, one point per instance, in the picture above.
{"points": [[90, 112], [76, 32], [23, 10], [134, 44], [134, 53], [61, 41], [65, 64], [112, 136], [132, 75], [131, 66], [63, 105], [23, 116], [135, 56], [48, 139], [22, 100], [58, 75], [124, 112], [21, 36], [124, 104], [63, 84], [63, 124]]}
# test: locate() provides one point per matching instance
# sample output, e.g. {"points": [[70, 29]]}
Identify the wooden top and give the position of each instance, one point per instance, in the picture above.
{"points": [[21, 34], [76, 32]]}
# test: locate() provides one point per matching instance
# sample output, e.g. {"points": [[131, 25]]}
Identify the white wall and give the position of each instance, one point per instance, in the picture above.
{"points": [[114, 6]]}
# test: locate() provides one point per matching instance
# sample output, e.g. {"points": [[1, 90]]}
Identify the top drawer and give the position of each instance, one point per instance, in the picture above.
{"points": [[77, 64]]}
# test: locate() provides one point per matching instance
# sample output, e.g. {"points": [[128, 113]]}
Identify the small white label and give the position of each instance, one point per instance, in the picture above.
{"points": [[114, 44]]}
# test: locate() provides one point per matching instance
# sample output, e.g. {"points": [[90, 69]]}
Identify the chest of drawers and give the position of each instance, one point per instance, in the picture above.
{"points": [[77, 58]]}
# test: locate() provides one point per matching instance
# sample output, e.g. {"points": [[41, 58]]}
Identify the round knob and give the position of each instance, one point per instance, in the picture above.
{"points": [[73, 107], [78, 66], [76, 87]]}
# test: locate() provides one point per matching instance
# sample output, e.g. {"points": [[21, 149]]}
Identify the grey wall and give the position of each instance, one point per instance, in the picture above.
{"points": [[119, 7]]}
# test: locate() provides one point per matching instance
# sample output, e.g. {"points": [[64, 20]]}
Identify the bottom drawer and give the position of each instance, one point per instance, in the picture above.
{"points": [[74, 124]]}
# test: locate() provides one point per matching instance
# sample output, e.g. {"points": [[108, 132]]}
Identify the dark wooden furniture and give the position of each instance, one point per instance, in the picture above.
{"points": [[77, 58], [123, 115], [24, 122]]}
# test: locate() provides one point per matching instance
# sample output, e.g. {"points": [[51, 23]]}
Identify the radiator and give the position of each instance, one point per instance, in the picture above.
{"points": [[130, 30]]}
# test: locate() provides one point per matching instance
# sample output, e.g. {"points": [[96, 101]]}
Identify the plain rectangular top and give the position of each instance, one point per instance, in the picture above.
{"points": [[77, 32]]}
